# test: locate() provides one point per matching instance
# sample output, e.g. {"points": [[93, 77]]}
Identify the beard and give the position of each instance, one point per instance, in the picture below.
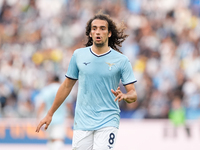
{"points": [[100, 44]]}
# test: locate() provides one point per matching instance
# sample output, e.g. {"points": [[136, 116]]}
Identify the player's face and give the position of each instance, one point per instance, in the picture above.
{"points": [[99, 32]]}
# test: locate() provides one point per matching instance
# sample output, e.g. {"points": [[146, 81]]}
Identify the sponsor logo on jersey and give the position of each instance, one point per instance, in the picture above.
{"points": [[86, 63]]}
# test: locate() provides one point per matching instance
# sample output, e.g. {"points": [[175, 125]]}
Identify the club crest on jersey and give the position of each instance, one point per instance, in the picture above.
{"points": [[110, 65]]}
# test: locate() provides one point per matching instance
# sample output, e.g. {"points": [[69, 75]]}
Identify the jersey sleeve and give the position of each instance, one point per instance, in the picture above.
{"points": [[127, 75], [73, 70]]}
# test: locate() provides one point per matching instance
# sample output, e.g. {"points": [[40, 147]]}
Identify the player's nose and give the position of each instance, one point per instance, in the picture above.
{"points": [[98, 31]]}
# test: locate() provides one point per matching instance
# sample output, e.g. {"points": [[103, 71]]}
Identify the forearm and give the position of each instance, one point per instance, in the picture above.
{"points": [[129, 97], [61, 95]]}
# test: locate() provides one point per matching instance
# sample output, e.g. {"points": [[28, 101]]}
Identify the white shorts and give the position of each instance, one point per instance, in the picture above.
{"points": [[102, 139], [57, 131]]}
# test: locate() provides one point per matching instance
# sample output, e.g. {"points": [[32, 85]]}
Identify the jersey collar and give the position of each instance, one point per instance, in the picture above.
{"points": [[100, 54]]}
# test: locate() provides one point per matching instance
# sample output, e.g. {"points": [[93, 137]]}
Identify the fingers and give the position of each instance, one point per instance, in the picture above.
{"points": [[40, 125], [46, 126], [46, 120], [118, 89], [119, 97], [115, 93], [118, 94]]}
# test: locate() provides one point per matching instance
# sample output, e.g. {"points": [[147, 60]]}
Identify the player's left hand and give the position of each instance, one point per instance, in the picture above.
{"points": [[118, 94]]}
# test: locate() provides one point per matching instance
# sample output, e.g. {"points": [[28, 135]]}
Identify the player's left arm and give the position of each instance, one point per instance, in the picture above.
{"points": [[129, 97]]}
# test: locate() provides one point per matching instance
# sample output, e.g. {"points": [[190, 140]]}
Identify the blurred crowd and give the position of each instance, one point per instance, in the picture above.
{"points": [[38, 37]]}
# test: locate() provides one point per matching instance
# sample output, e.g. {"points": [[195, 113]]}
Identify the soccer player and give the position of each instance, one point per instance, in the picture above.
{"points": [[99, 67], [56, 132]]}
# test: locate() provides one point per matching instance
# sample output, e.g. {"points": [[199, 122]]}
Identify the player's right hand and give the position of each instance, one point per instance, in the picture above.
{"points": [[46, 120]]}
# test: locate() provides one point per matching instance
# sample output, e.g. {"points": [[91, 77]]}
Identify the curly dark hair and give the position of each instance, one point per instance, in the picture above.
{"points": [[117, 37]]}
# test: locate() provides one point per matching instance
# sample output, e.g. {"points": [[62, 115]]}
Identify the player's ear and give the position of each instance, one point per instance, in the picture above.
{"points": [[90, 34], [109, 34]]}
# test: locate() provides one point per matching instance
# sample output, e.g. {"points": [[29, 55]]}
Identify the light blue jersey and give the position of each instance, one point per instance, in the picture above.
{"points": [[97, 75], [47, 95]]}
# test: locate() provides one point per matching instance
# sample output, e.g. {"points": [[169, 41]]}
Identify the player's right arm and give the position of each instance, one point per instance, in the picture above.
{"points": [[61, 95]]}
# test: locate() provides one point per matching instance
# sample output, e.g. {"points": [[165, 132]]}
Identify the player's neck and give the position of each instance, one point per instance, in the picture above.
{"points": [[100, 50]]}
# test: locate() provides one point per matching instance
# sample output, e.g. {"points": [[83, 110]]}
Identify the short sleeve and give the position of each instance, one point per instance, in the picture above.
{"points": [[127, 75], [73, 70]]}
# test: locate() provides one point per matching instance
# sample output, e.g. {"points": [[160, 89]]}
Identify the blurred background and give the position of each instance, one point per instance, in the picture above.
{"points": [[38, 37]]}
